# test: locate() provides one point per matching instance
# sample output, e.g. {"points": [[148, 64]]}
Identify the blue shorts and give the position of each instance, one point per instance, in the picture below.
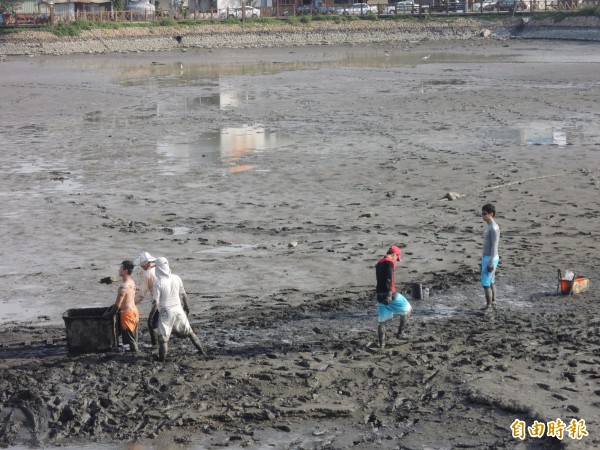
{"points": [[398, 306], [488, 278]]}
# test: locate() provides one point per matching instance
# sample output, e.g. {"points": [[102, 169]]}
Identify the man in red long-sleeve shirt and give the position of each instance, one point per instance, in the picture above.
{"points": [[388, 300]]}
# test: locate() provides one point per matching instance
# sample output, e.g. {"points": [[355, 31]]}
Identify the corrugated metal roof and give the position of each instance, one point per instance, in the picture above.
{"points": [[56, 2]]}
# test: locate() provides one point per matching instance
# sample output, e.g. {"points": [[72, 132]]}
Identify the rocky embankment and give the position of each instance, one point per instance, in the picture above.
{"points": [[29, 42], [571, 28], [260, 35]]}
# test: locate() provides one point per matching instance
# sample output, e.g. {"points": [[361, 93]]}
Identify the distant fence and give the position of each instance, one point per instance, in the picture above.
{"points": [[23, 19], [280, 10]]}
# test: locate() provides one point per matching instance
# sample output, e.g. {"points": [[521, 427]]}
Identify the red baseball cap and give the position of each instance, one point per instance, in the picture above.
{"points": [[397, 251]]}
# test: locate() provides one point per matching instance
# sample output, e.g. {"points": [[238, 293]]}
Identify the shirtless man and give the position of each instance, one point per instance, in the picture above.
{"points": [[125, 303]]}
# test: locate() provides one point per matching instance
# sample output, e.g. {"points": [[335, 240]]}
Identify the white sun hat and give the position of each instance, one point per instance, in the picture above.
{"points": [[143, 258]]}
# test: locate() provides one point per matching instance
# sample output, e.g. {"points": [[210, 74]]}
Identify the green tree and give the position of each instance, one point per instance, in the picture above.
{"points": [[10, 5], [118, 5]]}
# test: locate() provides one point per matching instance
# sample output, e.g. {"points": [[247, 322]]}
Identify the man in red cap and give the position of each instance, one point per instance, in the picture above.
{"points": [[388, 300]]}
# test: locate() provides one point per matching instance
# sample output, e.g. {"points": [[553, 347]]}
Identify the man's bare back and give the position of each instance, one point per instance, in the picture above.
{"points": [[126, 294]]}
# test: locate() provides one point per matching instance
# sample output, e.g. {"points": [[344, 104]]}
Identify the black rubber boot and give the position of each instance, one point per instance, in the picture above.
{"points": [[152, 325], [196, 341], [153, 337], [403, 327], [131, 339], [162, 351], [381, 335]]}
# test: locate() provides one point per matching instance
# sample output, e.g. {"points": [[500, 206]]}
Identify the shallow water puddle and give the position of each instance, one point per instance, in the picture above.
{"points": [[192, 73], [225, 148], [536, 134], [176, 231], [226, 249]]}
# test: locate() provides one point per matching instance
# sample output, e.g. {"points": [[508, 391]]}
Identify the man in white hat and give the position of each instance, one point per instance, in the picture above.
{"points": [[146, 261], [168, 296]]}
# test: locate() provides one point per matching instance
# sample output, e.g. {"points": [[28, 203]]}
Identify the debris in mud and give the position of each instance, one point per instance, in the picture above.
{"points": [[452, 196]]}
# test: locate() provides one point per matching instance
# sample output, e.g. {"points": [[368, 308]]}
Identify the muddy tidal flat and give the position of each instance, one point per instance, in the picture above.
{"points": [[273, 180]]}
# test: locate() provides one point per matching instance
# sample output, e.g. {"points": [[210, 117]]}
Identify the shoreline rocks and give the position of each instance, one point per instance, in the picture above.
{"points": [[141, 39]]}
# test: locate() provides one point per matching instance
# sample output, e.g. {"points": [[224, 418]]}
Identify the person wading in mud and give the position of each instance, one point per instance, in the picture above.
{"points": [[125, 303], [490, 258], [168, 297], [146, 261], [388, 300]]}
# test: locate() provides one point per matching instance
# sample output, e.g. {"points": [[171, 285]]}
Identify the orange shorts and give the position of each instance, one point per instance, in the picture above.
{"points": [[130, 320]]}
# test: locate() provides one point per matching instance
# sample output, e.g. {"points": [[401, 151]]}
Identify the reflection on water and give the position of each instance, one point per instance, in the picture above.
{"points": [[237, 248], [202, 101], [196, 73], [176, 74], [226, 98], [536, 134], [67, 185], [226, 147], [528, 136], [444, 82]]}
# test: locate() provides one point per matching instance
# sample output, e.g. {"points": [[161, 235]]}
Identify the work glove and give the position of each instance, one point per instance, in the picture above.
{"points": [[153, 319]]}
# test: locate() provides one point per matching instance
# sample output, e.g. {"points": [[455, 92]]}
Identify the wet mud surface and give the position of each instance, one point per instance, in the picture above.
{"points": [[273, 182], [311, 376]]}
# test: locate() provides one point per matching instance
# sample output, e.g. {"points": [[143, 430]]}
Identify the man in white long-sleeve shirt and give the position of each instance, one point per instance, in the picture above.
{"points": [[146, 262], [490, 257], [168, 295]]}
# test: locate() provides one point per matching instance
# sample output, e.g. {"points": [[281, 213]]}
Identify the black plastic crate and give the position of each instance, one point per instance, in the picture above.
{"points": [[91, 329]]}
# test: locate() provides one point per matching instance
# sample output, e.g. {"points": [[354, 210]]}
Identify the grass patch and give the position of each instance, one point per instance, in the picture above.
{"points": [[321, 17], [369, 17], [406, 18], [340, 19], [259, 21], [231, 21], [164, 22], [299, 20], [588, 11], [249, 22], [559, 16], [77, 27], [8, 31], [265, 20]]}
